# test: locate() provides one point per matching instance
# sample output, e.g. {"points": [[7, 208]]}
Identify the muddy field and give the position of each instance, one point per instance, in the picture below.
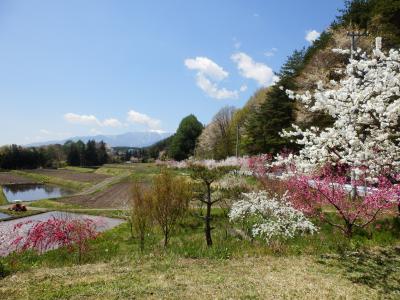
{"points": [[72, 175], [10, 178], [116, 196]]}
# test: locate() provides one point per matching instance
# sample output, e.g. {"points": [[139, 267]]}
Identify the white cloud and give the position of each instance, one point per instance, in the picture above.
{"points": [[143, 119], [206, 67], [81, 119], [91, 120], [312, 35], [208, 74], [236, 43], [44, 131], [212, 89], [243, 88], [112, 123], [271, 52], [248, 68]]}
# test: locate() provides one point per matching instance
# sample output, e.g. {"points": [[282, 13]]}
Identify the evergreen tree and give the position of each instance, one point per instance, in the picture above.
{"points": [[184, 141], [73, 155], [102, 156], [91, 154], [276, 112]]}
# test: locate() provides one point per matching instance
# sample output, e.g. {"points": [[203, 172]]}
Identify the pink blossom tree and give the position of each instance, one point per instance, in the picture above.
{"points": [[361, 149], [313, 194], [55, 232]]}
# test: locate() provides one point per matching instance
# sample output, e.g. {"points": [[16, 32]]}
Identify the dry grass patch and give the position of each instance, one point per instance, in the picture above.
{"points": [[166, 278]]}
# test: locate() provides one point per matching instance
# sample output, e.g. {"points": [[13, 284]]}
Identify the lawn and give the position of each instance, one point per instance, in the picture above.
{"points": [[169, 277]]}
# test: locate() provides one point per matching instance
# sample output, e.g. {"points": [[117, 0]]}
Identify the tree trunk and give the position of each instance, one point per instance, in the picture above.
{"points": [[208, 217], [349, 230], [142, 241], [353, 186], [166, 236], [398, 208]]}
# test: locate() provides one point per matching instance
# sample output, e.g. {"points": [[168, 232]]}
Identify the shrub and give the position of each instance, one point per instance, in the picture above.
{"points": [[270, 217], [140, 217], [171, 195]]}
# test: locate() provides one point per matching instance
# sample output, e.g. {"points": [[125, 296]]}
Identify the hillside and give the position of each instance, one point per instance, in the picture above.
{"points": [[258, 119]]}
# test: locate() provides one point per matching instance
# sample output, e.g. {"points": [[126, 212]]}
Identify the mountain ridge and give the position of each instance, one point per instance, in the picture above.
{"points": [[128, 139]]}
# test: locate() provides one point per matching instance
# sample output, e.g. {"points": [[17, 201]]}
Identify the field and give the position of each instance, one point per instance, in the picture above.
{"points": [[11, 178], [114, 196], [72, 175]]}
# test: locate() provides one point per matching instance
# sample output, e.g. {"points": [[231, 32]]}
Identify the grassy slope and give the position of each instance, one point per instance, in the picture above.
{"points": [[177, 278], [3, 199], [79, 169], [232, 268], [54, 180]]}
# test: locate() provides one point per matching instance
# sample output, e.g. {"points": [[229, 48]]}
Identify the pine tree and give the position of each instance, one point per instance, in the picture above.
{"points": [[91, 154], [276, 112]]}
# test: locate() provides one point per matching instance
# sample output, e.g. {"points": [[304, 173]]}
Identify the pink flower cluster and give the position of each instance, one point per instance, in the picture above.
{"points": [[54, 233], [313, 194]]}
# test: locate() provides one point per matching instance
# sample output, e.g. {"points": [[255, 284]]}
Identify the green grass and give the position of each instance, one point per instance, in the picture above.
{"points": [[3, 199], [324, 265], [302, 268], [20, 214], [53, 204], [79, 169], [76, 185]]}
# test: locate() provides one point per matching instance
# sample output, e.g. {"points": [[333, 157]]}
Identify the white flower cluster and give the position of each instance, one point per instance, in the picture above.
{"points": [[231, 181], [365, 105], [270, 217], [209, 163]]}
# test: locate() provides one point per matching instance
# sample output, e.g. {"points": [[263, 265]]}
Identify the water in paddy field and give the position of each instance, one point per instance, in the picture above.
{"points": [[4, 216], [32, 192]]}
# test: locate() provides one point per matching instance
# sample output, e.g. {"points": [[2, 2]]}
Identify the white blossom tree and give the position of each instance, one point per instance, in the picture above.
{"points": [[365, 105], [270, 217]]}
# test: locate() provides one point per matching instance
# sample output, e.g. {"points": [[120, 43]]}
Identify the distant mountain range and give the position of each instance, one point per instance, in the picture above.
{"points": [[129, 139]]}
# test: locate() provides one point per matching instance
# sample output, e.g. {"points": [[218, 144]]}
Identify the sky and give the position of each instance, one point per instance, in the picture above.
{"points": [[76, 68]]}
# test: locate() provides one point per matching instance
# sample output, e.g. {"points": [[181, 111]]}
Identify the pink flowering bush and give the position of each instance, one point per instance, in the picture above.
{"points": [[332, 191], [54, 233]]}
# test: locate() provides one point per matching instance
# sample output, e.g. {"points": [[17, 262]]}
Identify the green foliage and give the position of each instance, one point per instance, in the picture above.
{"points": [[379, 17], [276, 112], [154, 150], [3, 199], [184, 141], [170, 198], [91, 154], [140, 213], [3, 270]]}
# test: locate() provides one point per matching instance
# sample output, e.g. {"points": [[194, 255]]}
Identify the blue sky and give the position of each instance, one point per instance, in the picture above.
{"points": [[71, 68]]}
